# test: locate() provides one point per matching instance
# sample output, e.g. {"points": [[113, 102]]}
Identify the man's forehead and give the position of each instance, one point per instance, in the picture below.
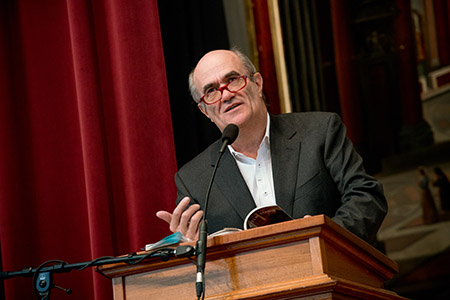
{"points": [[217, 66]]}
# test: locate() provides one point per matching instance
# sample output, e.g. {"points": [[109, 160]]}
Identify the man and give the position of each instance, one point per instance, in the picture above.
{"points": [[303, 162]]}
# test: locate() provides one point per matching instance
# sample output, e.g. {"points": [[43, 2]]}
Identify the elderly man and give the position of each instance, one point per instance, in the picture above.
{"points": [[303, 162]]}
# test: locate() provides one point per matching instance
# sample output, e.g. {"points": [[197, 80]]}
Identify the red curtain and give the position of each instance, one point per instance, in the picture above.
{"points": [[86, 146], [346, 70]]}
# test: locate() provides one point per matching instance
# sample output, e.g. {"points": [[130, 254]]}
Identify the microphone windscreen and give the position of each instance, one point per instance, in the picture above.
{"points": [[230, 133]]}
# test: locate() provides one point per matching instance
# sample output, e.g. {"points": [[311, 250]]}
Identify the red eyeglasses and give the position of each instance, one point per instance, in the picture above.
{"points": [[234, 86]]}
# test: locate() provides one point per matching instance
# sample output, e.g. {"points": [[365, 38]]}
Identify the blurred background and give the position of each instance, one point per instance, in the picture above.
{"points": [[96, 117]]}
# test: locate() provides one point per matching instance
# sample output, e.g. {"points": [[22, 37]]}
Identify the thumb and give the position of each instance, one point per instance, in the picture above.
{"points": [[164, 215]]}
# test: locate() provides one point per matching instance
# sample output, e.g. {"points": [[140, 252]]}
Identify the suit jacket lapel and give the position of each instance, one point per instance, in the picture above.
{"points": [[231, 184], [285, 155]]}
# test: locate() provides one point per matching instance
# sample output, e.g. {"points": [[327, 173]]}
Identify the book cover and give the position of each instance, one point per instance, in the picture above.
{"points": [[257, 217], [265, 215]]}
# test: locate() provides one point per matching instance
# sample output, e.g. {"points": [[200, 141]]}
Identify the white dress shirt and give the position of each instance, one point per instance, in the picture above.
{"points": [[257, 172]]}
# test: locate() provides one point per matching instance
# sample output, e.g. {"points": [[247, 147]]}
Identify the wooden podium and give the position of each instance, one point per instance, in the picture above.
{"points": [[311, 258]]}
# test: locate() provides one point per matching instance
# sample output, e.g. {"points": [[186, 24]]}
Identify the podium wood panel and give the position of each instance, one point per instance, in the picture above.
{"points": [[312, 258]]}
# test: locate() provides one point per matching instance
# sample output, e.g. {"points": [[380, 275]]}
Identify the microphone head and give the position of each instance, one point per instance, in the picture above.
{"points": [[230, 133]]}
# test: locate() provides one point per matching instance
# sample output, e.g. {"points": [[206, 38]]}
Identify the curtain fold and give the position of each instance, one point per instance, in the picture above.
{"points": [[86, 144]]}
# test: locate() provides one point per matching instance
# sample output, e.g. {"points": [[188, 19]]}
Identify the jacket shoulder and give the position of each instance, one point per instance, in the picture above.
{"points": [[303, 122], [305, 117], [201, 162]]}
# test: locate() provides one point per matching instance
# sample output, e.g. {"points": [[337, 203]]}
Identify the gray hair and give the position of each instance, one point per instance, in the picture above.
{"points": [[246, 62]]}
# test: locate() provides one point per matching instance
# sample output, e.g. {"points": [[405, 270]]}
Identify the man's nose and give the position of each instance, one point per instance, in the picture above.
{"points": [[227, 95]]}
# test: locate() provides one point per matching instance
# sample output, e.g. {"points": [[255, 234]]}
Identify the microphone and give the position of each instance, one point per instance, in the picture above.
{"points": [[229, 135]]}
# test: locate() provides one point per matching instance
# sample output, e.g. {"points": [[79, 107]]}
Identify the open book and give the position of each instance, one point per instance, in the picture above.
{"points": [[259, 216]]}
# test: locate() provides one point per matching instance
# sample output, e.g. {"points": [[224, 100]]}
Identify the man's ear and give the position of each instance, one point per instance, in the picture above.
{"points": [[202, 108], [257, 78]]}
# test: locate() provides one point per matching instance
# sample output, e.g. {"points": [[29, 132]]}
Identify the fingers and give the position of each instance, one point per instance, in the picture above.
{"points": [[184, 218], [192, 230], [164, 215], [181, 215]]}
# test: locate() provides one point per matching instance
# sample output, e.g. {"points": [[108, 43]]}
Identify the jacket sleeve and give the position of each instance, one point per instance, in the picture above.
{"points": [[363, 204]]}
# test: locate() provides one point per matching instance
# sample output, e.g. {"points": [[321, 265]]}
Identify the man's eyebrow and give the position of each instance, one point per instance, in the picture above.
{"points": [[206, 87], [228, 75], [232, 73]]}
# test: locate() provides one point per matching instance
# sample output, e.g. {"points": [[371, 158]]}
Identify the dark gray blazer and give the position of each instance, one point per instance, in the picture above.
{"points": [[316, 170]]}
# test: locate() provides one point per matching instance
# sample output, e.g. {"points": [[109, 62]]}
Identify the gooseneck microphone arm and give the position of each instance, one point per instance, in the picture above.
{"points": [[229, 135]]}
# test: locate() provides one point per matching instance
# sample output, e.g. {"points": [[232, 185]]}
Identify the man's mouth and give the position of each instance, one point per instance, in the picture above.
{"points": [[232, 106]]}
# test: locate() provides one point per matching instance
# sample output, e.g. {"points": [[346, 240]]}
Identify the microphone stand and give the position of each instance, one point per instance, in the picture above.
{"points": [[229, 135], [202, 241], [43, 275]]}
